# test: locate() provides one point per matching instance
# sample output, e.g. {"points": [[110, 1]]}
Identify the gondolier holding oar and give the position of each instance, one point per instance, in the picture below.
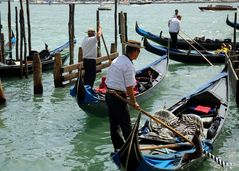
{"points": [[120, 79], [89, 49]]}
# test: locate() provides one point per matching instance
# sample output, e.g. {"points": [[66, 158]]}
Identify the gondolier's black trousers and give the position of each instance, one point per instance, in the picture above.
{"points": [[119, 117], [90, 71], [174, 39]]}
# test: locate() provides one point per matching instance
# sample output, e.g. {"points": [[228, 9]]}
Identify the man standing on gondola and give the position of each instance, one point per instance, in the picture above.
{"points": [[89, 49], [120, 79], [174, 28]]}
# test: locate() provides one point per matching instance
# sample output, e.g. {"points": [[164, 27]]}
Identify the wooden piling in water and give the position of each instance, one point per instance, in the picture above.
{"points": [[37, 74], [125, 27], [23, 40], [28, 26], [122, 31], [71, 31], [2, 96], [80, 55], [97, 26], [113, 48], [116, 24], [234, 35], [2, 59], [9, 29], [57, 71], [17, 33]]}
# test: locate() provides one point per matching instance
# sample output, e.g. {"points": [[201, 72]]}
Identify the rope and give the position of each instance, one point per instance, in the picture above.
{"points": [[220, 161]]}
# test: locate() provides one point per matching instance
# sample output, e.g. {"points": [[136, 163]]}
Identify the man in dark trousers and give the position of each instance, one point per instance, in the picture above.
{"points": [[89, 49], [120, 79]]}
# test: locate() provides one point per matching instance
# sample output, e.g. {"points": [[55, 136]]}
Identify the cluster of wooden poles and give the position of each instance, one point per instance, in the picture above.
{"points": [[62, 73], [36, 63]]}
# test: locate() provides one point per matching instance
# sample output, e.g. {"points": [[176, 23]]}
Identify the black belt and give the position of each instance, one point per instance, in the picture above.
{"points": [[110, 90]]}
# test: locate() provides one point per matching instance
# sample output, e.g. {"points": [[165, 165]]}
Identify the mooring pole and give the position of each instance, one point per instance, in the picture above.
{"points": [[9, 29], [57, 70], [122, 31], [71, 31], [97, 26], [126, 27], [21, 38], [234, 35], [17, 34], [2, 59], [28, 26], [2, 96], [0, 23], [37, 74], [116, 23]]}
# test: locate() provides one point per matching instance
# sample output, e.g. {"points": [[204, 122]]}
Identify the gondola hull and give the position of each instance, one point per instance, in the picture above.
{"points": [[183, 56], [12, 68], [233, 76], [218, 8], [214, 93], [99, 108], [207, 44]]}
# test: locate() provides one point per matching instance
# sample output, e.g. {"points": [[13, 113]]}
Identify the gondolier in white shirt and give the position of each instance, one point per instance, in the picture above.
{"points": [[89, 50], [174, 28], [120, 79]]}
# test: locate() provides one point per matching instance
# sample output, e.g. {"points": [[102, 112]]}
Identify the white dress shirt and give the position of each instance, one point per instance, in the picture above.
{"points": [[89, 47], [121, 74], [174, 25]]}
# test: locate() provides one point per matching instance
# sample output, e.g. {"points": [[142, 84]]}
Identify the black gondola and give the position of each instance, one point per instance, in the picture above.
{"points": [[12, 67], [183, 56], [208, 44], [199, 116]]}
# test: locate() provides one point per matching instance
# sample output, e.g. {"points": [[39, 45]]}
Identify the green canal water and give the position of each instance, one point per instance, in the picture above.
{"points": [[51, 133]]}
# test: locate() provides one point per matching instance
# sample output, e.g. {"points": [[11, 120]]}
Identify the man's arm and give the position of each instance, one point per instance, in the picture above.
{"points": [[99, 33]]}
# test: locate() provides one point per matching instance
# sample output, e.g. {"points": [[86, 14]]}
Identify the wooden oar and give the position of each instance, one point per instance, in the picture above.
{"points": [[197, 50], [164, 146], [152, 117], [105, 47], [193, 40]]}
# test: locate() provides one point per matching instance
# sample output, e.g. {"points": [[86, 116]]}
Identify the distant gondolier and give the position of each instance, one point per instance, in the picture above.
{"points": [[175, 13], [174, 28], [120, 79], [89, 49]]}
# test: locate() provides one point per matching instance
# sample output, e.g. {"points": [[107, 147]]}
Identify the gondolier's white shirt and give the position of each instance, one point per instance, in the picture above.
{"points": [[89, 47], [174, 25], [121, 74]]}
